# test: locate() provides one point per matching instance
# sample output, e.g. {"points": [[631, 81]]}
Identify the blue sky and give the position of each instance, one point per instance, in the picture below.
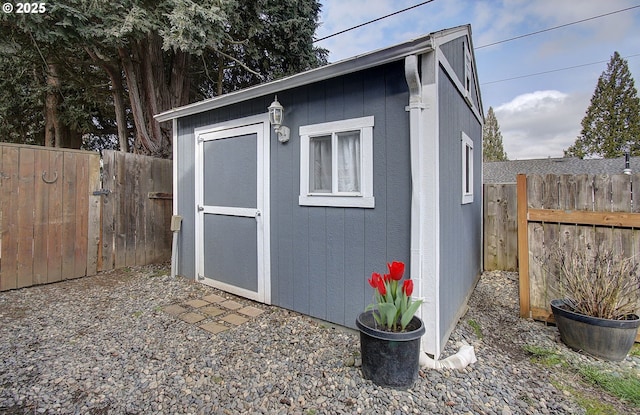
{"points": [[539, 115]]}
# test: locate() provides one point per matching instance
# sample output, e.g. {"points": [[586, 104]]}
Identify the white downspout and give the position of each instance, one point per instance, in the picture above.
{"points": [[415, 108]]}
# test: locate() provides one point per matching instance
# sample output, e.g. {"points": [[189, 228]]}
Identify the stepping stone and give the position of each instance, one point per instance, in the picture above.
{"points": [[235, 319], [212, 311], [213, 298], [192, 317], [213, 328], [197, 303], [231, 305], [174, 309], [250, 311]]}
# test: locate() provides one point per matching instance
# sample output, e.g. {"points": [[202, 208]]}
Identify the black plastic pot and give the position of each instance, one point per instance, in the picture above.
{"points": [[604, 338], [390, 359]]}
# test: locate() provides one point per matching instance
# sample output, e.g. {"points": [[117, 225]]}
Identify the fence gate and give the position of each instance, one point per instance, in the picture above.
{"points": [[49, 220], [59, 221]]}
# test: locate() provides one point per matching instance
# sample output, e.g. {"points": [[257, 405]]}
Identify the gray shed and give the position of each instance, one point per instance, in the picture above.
{"points": [[383, 163]]}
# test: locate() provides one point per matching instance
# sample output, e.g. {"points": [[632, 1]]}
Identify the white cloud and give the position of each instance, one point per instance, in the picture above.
{"points": [[540, 124]]}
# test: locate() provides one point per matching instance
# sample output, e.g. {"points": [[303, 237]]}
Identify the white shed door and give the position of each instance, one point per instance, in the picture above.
{"points": [[232, 207]]}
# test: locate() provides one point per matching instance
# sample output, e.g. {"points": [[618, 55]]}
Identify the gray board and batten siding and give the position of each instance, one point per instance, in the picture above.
{"points": [[321, 256], [460, 229]]}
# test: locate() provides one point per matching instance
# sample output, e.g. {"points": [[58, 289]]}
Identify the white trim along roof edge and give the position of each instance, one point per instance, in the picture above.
{"points": [[357, 63]]}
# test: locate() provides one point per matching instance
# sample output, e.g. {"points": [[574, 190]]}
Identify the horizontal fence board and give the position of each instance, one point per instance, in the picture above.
{"points": [[615, 219]]}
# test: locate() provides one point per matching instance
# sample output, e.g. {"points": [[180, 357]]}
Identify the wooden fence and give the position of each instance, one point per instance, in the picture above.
{"points": [[500, 209], [573, 211], [58, 221], [500, 227]]}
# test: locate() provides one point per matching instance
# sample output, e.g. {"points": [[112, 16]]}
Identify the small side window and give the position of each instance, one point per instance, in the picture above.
{"points": [[467, 169]]}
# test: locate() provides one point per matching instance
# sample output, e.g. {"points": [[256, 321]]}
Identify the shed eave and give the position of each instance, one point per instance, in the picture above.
{"points": [[357, 63]]}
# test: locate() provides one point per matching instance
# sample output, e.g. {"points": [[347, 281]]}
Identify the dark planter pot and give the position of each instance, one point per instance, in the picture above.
{"points": [[390, 359], [607, 339]]}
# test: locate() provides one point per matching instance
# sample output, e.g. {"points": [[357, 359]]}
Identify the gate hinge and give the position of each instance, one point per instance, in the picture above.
{"points": [[200, 277], [200, 208]]}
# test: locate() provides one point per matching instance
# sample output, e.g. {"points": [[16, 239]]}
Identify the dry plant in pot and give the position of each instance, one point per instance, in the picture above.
{"points": [[597, 313]]}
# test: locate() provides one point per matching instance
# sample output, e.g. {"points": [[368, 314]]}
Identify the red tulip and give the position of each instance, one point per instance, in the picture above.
{"points": [[377, 282], [373, 281], [382, 289], [396, 270], [407, 287]]}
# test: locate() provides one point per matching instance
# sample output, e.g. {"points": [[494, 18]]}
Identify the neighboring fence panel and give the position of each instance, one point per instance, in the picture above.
{"points": [[57, 222], [136, 210], [500, 227], [45, 232], [574, 211]]}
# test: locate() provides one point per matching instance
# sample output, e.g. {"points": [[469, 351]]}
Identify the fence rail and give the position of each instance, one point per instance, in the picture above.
{"points": [[58, 221]]}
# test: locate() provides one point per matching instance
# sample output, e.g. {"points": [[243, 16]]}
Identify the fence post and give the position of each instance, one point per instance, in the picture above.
{"points": [[523, 246]]}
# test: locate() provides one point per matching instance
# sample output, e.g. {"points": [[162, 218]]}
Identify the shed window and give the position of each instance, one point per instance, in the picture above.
{"points": [[467, 169], [336, 166]]}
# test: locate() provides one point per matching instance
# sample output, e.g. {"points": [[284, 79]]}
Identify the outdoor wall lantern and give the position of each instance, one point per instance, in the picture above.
{"points": [[276, 116], [627, 166]]}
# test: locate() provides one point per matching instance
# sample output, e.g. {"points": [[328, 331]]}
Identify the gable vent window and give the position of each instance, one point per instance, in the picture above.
{"points": [[468, 70], [336, 163], [467, 169]]}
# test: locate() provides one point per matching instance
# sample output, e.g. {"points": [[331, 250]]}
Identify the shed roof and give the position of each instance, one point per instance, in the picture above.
{"points": [[506, 171], [343, 67]]}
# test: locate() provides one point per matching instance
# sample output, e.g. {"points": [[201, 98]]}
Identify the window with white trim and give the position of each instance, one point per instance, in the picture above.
{"points": [[336, 163], [467, 169]]}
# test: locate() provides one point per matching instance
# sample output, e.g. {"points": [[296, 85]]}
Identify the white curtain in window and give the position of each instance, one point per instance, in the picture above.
{"points": [[320, 177], [349, 161]]}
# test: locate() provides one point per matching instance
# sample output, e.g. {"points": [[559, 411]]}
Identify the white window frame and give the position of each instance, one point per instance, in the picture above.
{"points": [[467, 168], [364, 198]]}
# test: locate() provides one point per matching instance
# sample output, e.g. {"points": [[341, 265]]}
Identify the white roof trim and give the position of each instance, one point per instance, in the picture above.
{"points": [[357, 63]]}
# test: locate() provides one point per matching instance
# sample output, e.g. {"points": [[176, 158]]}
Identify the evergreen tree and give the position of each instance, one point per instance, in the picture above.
{"points": [[612, 122], [492, 149], [117, 64]]}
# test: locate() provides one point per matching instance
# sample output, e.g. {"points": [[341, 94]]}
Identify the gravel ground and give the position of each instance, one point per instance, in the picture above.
{"points": [[104, 345]]}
